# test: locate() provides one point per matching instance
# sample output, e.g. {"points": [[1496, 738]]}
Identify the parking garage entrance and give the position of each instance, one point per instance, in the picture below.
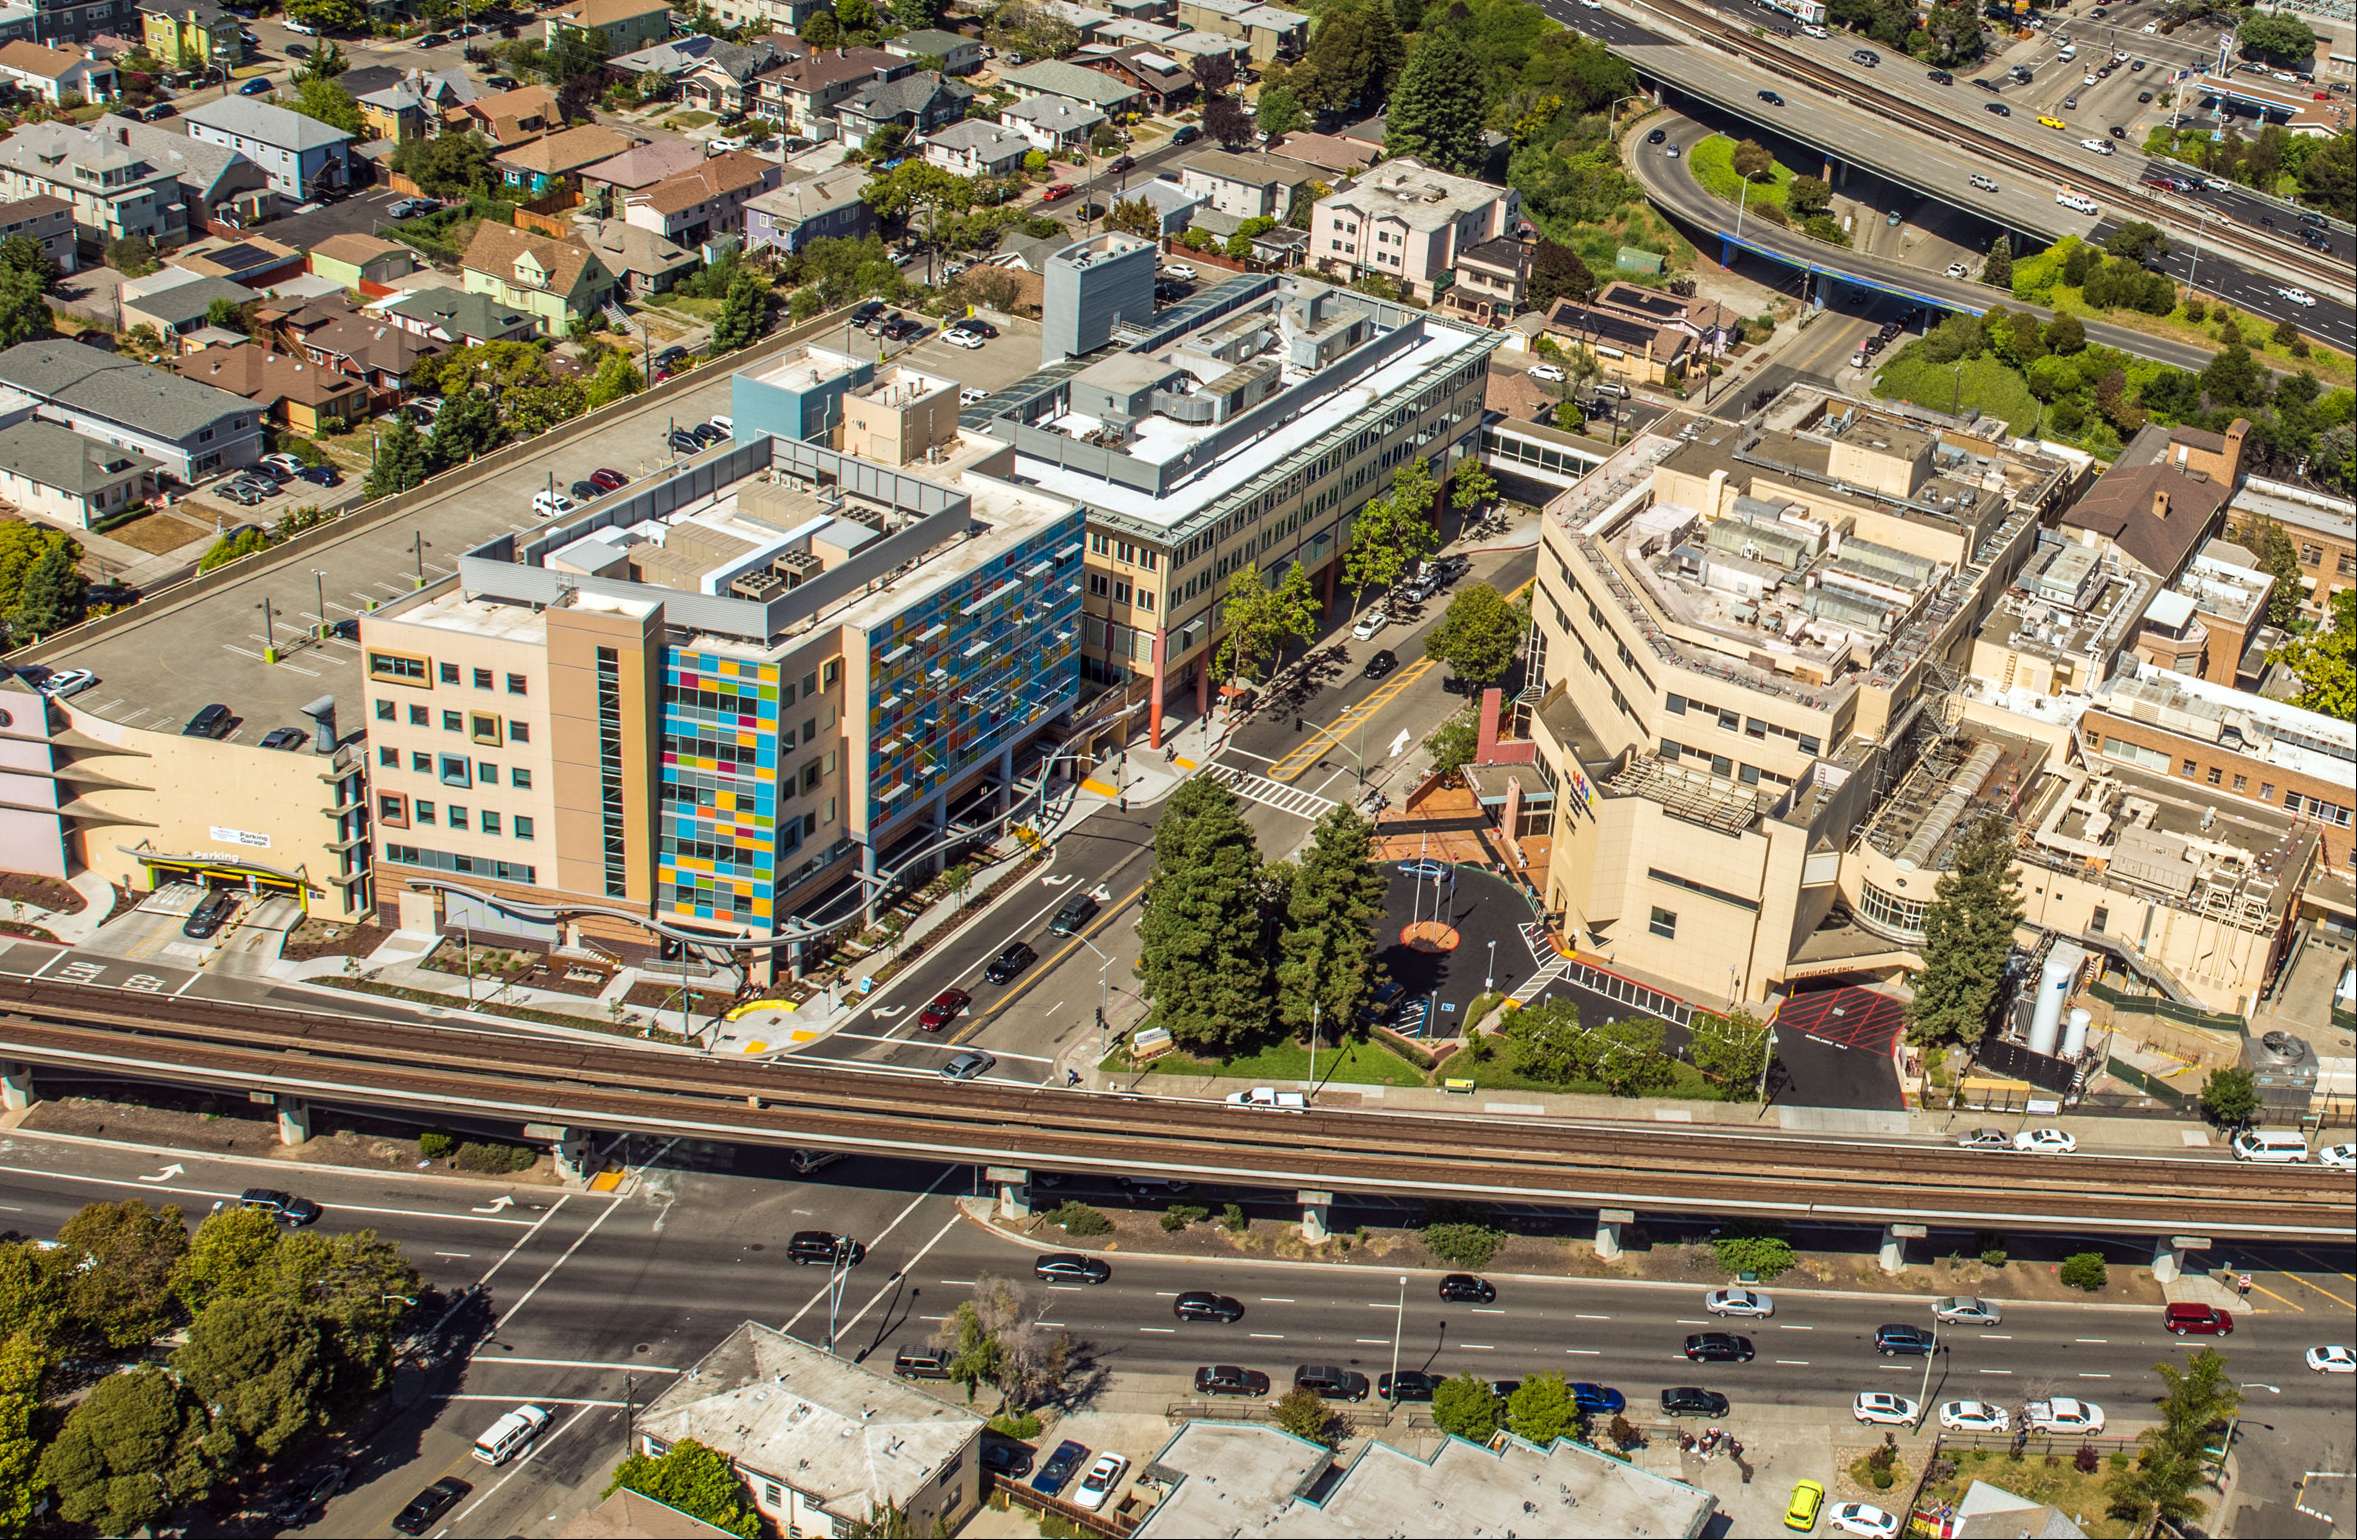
{"points": [[220, 872]]}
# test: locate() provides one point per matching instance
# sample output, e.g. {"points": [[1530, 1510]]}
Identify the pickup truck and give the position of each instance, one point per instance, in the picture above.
{"points": [[1269, 1099]]}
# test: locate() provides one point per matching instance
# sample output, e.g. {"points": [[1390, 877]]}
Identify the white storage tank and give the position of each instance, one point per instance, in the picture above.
{"points": [[2054, 989], [2074, 1031]]}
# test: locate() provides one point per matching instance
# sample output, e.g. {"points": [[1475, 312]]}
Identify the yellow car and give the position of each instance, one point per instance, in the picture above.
{"points": [[2047, 122], [1807, 1498]]}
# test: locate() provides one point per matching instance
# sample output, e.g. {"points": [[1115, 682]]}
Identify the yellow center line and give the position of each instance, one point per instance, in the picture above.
{"points": [[1297, 763], [2319, 1288], [1041, 970], [2279, 1299]]}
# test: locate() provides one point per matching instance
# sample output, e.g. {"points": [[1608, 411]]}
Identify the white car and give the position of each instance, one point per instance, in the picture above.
{"points": [[551, 505], [2063, 1414], [1179, 271], [72, 681], [2149, 28], [959, 339], [281, 462], [2332, 1360], [1973, 1417], [2298, 296], [1269, 1099], [2090, 80], [1591, 5], [2044, 1141], [1100, 1481], [1964, 1310], [971, 394], [727, 425], [722, 144], [1750, 1303], [1880, 1406], [2338, 1157], [304, 28], [1552, 373], [1370, 623], [2098, 146], [2072, 201], [2216, 183], [1864, 1519], [1958, 270]]}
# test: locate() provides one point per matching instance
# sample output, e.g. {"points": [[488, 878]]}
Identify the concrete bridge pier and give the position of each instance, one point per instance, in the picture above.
{"points": [[1609, 1224], [1014, 1190], [294, 1119], [2168, 1255], [16, 1087], [568, 1147], [1317, 1208], [1893, 1259]]}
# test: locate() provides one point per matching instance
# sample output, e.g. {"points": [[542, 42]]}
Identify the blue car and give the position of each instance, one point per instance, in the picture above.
{"points": [[1059, 1470], [1429, 871], [258, 86], [1598, 1400]]}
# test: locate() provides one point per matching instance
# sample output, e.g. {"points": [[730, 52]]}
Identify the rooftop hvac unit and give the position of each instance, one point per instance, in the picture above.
{"points": [[795, 568], [760, 587]]}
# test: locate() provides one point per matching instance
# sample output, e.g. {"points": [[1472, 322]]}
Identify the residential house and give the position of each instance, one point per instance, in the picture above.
{"points": [[1057, 77], [1084, 20], [915, 102], [1280, 247], [1174, 207], [822, 1444], [79, 21], [825, 206], [557, 282], [174, 300], [301, 157], [110, 191], [511, 118], [58, 76], [255, 261], [1152, 33], [415, 105], [192, 431], [2161, 498], [1713, 326], [56, 474], [1241, 186], [707, 72], [1407, 222], [360, 261], [703, 201], [1627, 348], [1163, 83], [611, 180], [1052, 123], [45, 221], [785, 15], [802, 96], [1272, 33], [219, 188], [952, 53], [458, 317], [976, 148], [616, 26], [554, 163], [189, 34], [1491, 279], [641, 260], [371, 349], [1191, 46], [1330, 153], [293, 392]]}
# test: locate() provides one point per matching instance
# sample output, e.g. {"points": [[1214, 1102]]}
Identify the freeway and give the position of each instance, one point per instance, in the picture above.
{"points": [[441, 1071]]}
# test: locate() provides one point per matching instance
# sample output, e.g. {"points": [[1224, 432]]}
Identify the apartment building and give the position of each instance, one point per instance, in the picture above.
{"points": [[2323, 531], [1248, 424], [802, 96], [191, 431], [1271, 32], [717, 705], [703, 202], [1744, 630], [1408, 222], [112, 190], [302, 157]]}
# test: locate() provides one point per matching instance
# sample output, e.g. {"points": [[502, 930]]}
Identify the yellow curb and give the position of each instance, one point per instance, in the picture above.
{"points": [[606, 1180], [1099, 787], [750, 1006], [1182, 762]]}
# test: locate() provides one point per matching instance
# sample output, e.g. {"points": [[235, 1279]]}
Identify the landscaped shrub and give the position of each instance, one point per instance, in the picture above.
{"points": [[1079, 1219], [1462, 1243], [1180, 1215], [2084, 1270], [433, 1144], [1233, 1219], [493, 1159], [1762, 1256], [1022, 1425]]}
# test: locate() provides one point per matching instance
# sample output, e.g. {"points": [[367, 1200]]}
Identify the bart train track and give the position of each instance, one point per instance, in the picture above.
{"points": [[464, 1071], [1735, 39]]}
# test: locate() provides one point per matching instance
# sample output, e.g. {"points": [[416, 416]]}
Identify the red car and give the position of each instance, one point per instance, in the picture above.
{"points": [[609, 480], [2198, 1320], [1059, 192], [947, 1006]]}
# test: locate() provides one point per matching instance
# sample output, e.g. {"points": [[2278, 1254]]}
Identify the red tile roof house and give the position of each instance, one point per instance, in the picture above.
{"points": [[709, 200]]}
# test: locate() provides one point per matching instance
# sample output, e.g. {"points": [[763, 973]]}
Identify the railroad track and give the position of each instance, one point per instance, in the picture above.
{"points": [[1871, 98], [457, 1070]]}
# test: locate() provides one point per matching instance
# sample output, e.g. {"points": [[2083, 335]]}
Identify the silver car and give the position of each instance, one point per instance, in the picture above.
{"points": [[966, 1066], [1985, 1139], [1964, 1310], [1749, 1303]]}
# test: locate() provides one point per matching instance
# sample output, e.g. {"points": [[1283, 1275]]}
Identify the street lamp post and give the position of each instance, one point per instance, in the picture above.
{"points": [[319, 576], [466, 941], [1490, 974], [1923, 1394], [1399, 1322]]}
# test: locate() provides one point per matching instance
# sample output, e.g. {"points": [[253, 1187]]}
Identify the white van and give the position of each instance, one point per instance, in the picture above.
{"points": [[506, 1438], [2274, 1148]]}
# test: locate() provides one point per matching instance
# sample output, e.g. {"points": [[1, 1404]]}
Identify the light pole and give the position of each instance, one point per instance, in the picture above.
{"points": [[1742, 197], [1490, 974], [1104, 994], [1399, 1322], [466, 941], [417, 548], [319, 576], [1923, 1394]]}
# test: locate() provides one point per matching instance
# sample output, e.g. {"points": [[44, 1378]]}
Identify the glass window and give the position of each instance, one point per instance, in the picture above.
{"points": [[523, 827], [425, 811], [388, 758], [2099, 919], [482, 679], [418, 717], [391, 665], [449, 673], [490, 822], [1663, 924], [457, 816], [518, 732], [453, 721], [486, 772], [484, 726], [515, 684], [392, 809], [1808, 744], [831, 672], [384, 711], [421, 762], [456, 771], [519, 777]]}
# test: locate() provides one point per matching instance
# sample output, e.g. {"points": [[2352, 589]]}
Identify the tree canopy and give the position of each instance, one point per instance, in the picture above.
{"points": [[697, 1480], [1325, 952], [1437, 109], [2325, 660], [1200, 958], [1479, 636], [1967, 936]]}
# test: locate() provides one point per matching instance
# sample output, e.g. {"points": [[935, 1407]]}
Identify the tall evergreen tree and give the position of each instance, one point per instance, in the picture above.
{"points": [[51, 596], [1967, 933], [1437, 107], [1997, 271], [400, 459], [1326, 952], [1200, 953]]}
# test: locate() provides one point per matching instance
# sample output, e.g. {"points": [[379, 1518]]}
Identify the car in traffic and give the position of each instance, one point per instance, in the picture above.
{"points": [[1467, 1289], [2045, 1141], [1059, 192], [819, 1248], [1883, 1408], [306, 1495], [1983, 182], [1102, 1479], [1751, 1304], [969, 1065], [1203, 1305], [1900, 1341], [1964, 1310], [1381, 664], [1657, 136], [285, 1207], [419, 1513], [2333, 1359], [1718, 1347], [1331, 1381], [258, 86], [1185, 133], [1973, 1417], [1998, 108], [510, 1434], [1056, 1474], [2297, 296], [1692, 1401], [2186, 1319], [1010, 962], [1771, 98], [2062, 1414], [1864, 1520], [1075, 912], [945, 1008], [1265, 1098], [1120, 164], [1406, 1385], [1808, 1500], [2338, 1157], [1596, 1400], [1071, 1267], [1230, 1380]]}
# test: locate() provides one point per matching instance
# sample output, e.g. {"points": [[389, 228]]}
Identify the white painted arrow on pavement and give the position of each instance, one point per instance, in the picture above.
{"points": [[1055, 881], [495, 1205], [169, 1172], [889, 1011], [1399, 744]]}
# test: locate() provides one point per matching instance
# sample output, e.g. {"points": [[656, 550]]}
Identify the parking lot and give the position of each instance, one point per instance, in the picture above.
{"points": [[360, 214]]}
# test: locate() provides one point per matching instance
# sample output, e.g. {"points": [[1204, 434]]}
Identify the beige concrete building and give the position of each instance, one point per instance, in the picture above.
{"points": [[900, 416], [1408, 222]]}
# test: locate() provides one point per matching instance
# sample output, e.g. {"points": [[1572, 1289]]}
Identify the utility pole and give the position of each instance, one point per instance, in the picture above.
{"points": [[417, 548], [838, 1279], [1399, 1322]]}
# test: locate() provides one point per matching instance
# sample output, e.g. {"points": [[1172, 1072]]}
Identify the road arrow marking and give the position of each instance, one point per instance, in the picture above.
{"points": [[169, 1172], [495, 1205]]}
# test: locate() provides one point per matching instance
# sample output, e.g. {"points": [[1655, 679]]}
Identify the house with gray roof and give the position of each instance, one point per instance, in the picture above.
{"points": [[56, 474], [301, 156], [959, 54], [457, 317], [918, 102], [1055, 77], [975, 148], [1052, 123], [112, 190], [827, 206], [175, 300], [191, 430]]}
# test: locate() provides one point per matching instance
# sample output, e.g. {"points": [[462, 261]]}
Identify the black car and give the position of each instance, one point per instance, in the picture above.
{"points": [[1657, 136], [281, 1205], [434, 40], [869, 310], [1999, 108], [1771, 98], [670, 356], [284, 738], [1229, 1380], [974, 326], [1985, 83], [1692, 1401], [1407, 1385], [1203, 1305], [1902, 1341], [1941, 77], [1718, 1347], [297, 1504], [1381, 664], [1078, 910], [323, 475], [585, 491], [810, 1247], [1068, 1267], [1059, 1470], [1010, 962], [706, 433], [1004, 1457], [1121, 163], [209, 722], [1464, 1288], [900, 328], [204, 921], [684, 442], [1185, 133], [431, 1504], [1332, 1381]]}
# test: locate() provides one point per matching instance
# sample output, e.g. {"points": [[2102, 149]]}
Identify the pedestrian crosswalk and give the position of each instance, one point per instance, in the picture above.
{"points": [[1268, 793]]}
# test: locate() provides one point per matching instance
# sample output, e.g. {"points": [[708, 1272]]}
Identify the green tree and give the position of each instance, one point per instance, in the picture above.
{"points": [[1452, 745], [1558, 272], [125, 1253], [2065, 334], [1997, 267], [447, 165], [1729, 1050], [49, 596], [1437, 108], [34, 1285], [227, 314], [1326, 949], [1752, 161], [1279, 111], [24, 314], [1472, 488], [697, 1480], [1353, 54], [1543, 1409], [1200, 958], [132, 255], [23, 254], [1763, 1256], [917, 15], [400, 461], [1227, 121], [2234, 379], [1462, 1242], [2084, 1271], [1257, 620], [1967, 935], [1135, 216], [1807, 195], [466, 428], [327, 61], [329, 15], [1479, 635], [2230, 1098], [2325, 660], [2278, 556], [744, 315], [2138, 241], [129, 1453], [330, 103], [1392, 533], [261, 1366], [23, 1363], [1466, 1407], [2171, 1461], [971, 1351], [615, 378], [2277, 37], [1305, 1414]]}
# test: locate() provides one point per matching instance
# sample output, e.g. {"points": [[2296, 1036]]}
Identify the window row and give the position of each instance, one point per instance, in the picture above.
{"points": [[481, 726], [400, 812], [454, 769]]}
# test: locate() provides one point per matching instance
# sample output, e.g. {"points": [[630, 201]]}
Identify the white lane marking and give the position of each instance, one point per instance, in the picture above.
{"points": [[1995, 1371], [1275, 1299], [509, 1314], [530, 1455], [1585, 1352], [821, 1292], [2086, 1376], [1374, 1341], [1794, 1362], [580, 1401], [580, 1363], [897, 1279], [1159, 1331], [453, 1256], [1479, 1347], [144, 1185], [1996, 1336], [1781, 1327], [1487, 1310], [524, 1240], [960, 1283], [1267, 1336], [1682, 1321], [2091, 1339], [1591, 1318]]}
